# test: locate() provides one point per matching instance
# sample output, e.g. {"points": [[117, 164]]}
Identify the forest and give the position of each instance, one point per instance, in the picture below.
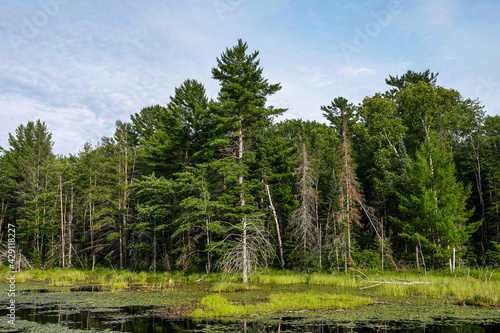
{"points": [[409, 177]]}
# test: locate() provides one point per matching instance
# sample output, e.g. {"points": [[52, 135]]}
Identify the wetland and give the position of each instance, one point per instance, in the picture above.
{"points": [[64, 301]]}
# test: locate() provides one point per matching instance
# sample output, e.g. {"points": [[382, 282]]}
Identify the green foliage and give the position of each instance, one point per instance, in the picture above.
{"points": [[434, 204], [494, 254], [171, 189], [411, 77], [28, 168], [426, 108], [337, 110]]}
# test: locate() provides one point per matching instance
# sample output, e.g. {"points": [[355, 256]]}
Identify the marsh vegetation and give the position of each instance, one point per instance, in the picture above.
{"points": [[304, 299]]}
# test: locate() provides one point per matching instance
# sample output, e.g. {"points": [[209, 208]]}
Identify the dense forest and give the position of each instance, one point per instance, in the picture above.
{"points": [[409, 177]]}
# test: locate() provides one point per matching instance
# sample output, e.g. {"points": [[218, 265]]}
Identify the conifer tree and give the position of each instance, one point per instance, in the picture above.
{"points": [[29, 167], [240, 113], [434, 204]]}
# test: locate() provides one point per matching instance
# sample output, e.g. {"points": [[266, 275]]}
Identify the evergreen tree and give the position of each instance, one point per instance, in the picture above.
{"points": [[119, 163], [492, 159], [240, 113], [434, 204], [195, 222], [177, 135], [333, 113], [29, 169], [151, 234], [411, 77]]}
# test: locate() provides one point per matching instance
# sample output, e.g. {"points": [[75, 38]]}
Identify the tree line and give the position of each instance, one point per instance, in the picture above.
{"points": [[408, 177]]}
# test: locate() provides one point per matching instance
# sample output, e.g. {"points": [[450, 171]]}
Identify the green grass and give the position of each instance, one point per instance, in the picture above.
{"points": [[219, 306], [477, 287], [107, 278], [474, 287], [228, 286], [282, 278], [462, 289]]}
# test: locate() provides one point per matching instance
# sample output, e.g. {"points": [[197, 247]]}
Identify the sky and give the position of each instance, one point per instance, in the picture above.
{"points": [[81, 65]]}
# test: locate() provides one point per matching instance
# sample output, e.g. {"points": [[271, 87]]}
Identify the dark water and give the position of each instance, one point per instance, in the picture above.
{"points": [[129, 319]]}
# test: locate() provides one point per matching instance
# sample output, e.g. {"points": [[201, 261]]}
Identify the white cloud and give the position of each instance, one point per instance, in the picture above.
{"points": [[71, 127], [314, 76], [351, 71]]}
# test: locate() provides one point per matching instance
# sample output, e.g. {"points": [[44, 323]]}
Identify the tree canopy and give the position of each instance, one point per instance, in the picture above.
{"points": [[226, 184]]}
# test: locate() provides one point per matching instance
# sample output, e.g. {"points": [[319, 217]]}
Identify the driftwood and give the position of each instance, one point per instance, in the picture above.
{"points": [[201, 279], [375, 283]]}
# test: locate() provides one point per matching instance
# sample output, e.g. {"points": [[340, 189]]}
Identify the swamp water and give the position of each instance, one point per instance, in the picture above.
{"points": [[84, 310], [136, 319]]}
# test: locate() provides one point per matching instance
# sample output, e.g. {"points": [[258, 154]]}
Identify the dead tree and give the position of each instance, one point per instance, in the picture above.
{"points": [[248, 249]]}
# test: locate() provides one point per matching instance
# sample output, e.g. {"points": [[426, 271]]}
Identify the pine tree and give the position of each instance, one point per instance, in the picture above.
{"points": [[240, 113], [195, 221], [434, 204], [29, 167], [339, 109]]}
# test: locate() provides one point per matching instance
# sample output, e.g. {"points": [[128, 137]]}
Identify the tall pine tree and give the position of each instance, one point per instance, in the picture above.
{"points": [[240, 113]]}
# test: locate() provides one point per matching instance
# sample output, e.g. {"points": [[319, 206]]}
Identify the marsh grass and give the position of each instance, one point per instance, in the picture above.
{"points": [[228, 286], [479, 288], [282, 277], [471, 287], [108, 279], [219, 306]]}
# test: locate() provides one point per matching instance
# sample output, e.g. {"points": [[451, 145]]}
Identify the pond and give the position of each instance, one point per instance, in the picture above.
{"points": [[43, 308], [142, 320]]}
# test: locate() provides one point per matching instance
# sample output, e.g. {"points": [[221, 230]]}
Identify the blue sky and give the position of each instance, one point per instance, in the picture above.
{"points": [[81, 65]]}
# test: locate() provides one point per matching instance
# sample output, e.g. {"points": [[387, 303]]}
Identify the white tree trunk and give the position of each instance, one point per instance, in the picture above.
{"points": [[244, 274]]}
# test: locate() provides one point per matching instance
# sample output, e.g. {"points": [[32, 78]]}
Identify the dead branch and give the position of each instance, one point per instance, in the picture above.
{"points": [[375, 283]]}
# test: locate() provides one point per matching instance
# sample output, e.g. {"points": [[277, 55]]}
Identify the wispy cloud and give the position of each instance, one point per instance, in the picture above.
{"points": [[351, 71], [94, 62], [71, 127]]}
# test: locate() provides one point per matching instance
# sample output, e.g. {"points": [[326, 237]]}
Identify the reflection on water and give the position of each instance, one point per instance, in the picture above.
{"points": [[124, 320]]}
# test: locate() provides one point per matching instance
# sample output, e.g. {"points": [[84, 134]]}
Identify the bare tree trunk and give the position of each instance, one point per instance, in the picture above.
{"points": [[244, 274], [336, 244], [209, 261], [416, 257], [348, 193], [207, 223], [242, 203], [277, 226], [3, 211], [91, 226], [477, 174], [63, 244], [318, 225], [123, 236], [453, 260], [70, 221], [154, 247], [240, 161]]}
